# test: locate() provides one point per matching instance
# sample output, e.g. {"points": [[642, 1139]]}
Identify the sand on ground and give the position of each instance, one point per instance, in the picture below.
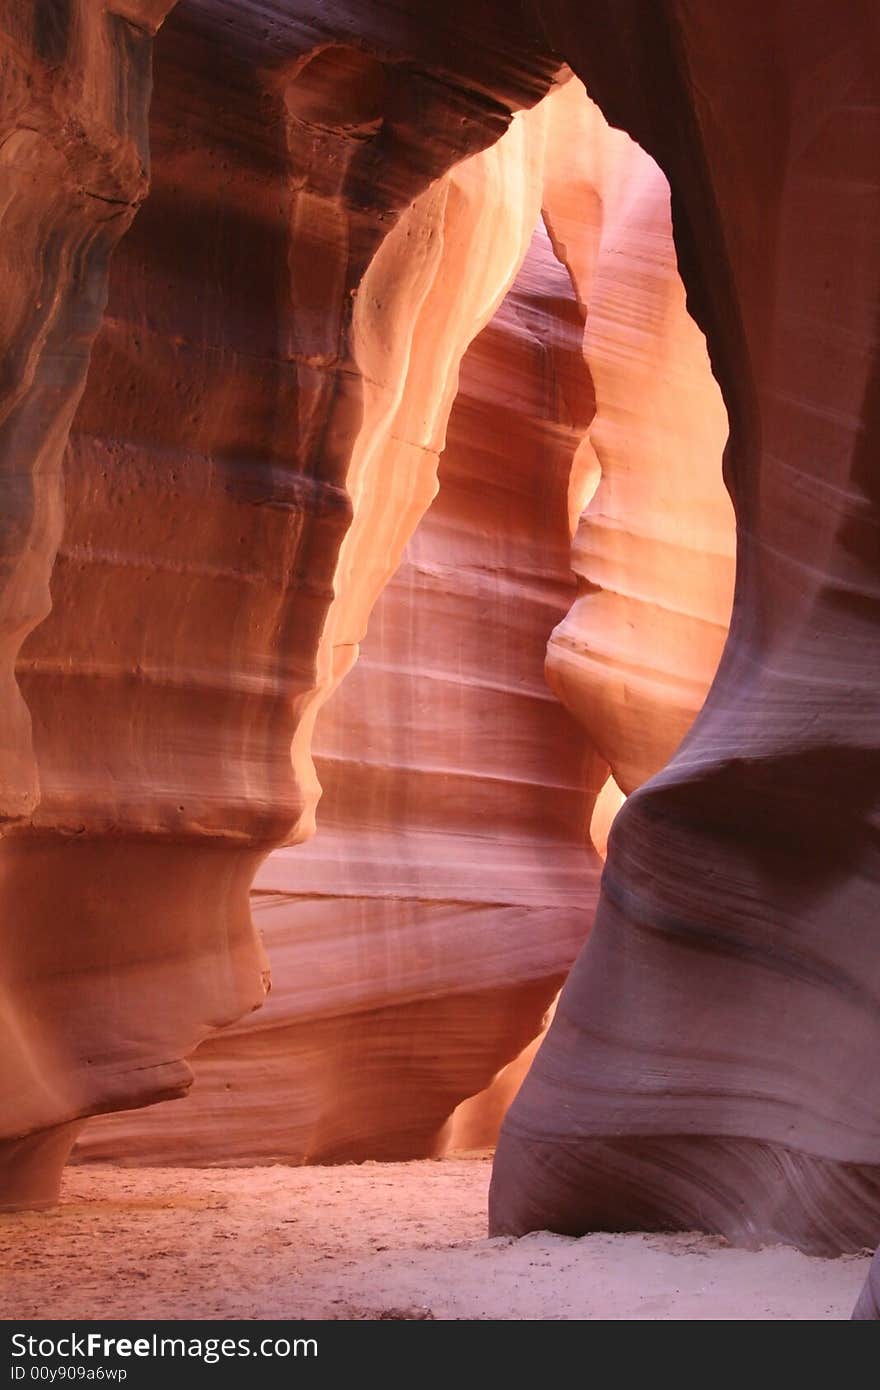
{"points": [[371, 1240]]}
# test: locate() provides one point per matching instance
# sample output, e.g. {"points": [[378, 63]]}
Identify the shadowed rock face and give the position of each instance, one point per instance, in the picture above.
{"points": [[413, 953], [250, 398], [712, 1062], [248, 461], [74, 156], [418, 939], [74, 96]]}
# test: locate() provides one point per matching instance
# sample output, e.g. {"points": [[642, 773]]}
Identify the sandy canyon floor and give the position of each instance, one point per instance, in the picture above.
{"points": [[403, 1240]]}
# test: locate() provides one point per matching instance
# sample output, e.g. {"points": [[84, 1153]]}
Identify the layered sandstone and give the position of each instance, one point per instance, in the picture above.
{"points": [[418, 939], [414, 954], [74, 155], [654, 548], [274, 339], [711, 1062], [278, 356], [73, 167]]}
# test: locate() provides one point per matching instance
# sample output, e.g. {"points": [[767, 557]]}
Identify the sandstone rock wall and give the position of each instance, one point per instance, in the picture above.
{"points": [[654, 549], [418, 939], [201, 601], [73, 168], [74, 154], [712, 1059]]}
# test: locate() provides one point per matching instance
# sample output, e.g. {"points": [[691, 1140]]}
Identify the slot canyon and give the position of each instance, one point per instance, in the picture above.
{"points": [[439, 580]]}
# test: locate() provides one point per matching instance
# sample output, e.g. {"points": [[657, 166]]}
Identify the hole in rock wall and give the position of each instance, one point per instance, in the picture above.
{"points": [[608, 803], [470, 768], [338, 87]]}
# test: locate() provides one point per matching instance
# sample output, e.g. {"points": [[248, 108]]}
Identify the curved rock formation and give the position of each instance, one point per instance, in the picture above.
{"points": [[413, 954], [256, 364], [73, 168], [417, 941], [280, 350], [712, 1059], [655, 546], [74, 94]]}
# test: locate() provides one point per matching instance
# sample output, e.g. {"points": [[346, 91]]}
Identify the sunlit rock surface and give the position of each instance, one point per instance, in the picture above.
{"points": [[276, 363], [417, 941], [654, 548]]}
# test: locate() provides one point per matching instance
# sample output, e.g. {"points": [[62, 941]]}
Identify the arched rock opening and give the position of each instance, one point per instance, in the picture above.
{"points": [[418, 941], [740, 893]]}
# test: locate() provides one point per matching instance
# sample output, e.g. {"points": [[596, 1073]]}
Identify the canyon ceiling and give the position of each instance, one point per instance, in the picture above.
{"points": [[352, 376]]}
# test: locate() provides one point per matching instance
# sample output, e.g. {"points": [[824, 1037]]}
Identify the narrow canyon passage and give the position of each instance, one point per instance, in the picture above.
{"points": [[712, 1058], [418, 943], [418, 940], [224, 485], [377, 413], [276, 1242]]}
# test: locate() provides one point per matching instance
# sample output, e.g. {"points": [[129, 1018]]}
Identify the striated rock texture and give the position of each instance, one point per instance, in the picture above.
{"points": [[417, 941], [74, 96], [712, 1062], [74, 93], [654, 550], [256, 441]]}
